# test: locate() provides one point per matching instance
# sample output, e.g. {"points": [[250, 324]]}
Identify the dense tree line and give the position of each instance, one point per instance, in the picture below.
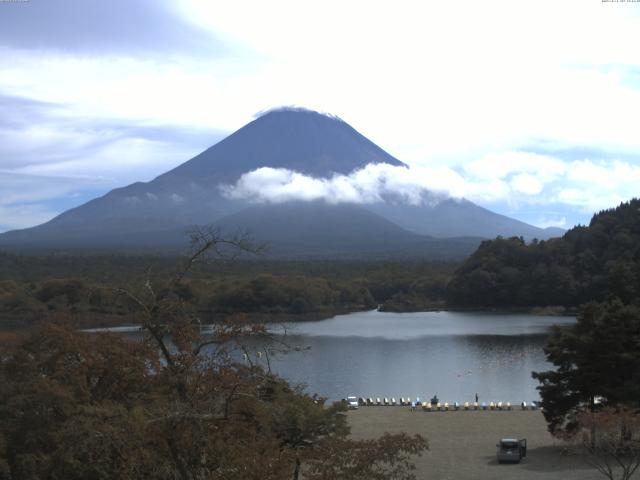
{"points": [[586, 264], [33, 288]]}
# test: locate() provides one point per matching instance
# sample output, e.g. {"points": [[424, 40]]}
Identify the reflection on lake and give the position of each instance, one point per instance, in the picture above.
{"points": [[453, 355]]}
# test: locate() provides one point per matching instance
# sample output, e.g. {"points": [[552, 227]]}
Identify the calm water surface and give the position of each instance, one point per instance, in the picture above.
{"points": [[453, 355]]}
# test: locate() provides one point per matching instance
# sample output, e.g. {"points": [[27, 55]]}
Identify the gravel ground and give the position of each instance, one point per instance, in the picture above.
{"points": [[462, 443]]}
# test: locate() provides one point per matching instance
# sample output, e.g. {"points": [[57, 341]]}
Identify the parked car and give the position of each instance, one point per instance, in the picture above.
{"points": [[511, 450], [352, 402]]}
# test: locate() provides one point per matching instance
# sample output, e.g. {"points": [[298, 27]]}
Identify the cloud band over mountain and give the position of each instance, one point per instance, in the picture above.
{"points": [[517, 178], [372, 184]]}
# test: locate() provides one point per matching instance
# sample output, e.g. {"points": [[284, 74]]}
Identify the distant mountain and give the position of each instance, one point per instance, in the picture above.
{"points": [[316, 229], [155, 214], [455, 218]]}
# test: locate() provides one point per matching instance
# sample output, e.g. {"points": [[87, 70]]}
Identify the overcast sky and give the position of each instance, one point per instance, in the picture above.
{"points": [[529, 108]]}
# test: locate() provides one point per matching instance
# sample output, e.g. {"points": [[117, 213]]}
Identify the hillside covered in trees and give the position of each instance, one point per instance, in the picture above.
{"points": [[587, 264]]}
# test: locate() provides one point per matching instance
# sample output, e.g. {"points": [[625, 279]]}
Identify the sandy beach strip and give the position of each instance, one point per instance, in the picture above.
{"points": [[462, 444]]}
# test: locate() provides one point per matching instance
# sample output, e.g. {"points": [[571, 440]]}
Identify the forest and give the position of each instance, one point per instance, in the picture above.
{"points": [[589, 263], [86, 287]]}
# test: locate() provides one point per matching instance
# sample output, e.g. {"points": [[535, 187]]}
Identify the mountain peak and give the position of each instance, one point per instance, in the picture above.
{"points": [[294, 111], [293, 138]]}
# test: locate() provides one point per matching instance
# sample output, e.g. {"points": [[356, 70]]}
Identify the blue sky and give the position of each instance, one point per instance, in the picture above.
{"points": [[528, 108]]}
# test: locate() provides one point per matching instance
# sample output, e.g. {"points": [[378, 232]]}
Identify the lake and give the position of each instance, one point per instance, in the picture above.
{"points": [[381, 354]]}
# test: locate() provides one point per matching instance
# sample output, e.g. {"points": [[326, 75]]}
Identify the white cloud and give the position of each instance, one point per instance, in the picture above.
{"points": [[584, 184], [372, 184], [527, 184], [502, 164], [593, 186], [383, 182], [431, 80], [175, 198], [545, 222], [423, 80]]}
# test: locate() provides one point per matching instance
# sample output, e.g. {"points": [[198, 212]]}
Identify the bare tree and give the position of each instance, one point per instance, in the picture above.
{"points": [[610, 439], [163, 314]]}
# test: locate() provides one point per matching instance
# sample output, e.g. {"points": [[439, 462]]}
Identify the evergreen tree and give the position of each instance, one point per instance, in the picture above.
{"points": [[599, 356]]}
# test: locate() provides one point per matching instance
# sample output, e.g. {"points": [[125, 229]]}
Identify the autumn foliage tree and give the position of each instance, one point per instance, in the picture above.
{"points": [[172, 403], [611, 440]]}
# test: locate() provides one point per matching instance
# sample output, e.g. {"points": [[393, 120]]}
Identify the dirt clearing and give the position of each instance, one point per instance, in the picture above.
{"points": [[463, 443]]}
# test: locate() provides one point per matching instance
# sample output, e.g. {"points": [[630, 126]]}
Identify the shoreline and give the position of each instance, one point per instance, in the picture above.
{"points": [[542, 311], [106, 322], [265, 319]]}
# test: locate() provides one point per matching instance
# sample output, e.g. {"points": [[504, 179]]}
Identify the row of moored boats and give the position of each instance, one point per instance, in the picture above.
{"points": [[437, 406]]}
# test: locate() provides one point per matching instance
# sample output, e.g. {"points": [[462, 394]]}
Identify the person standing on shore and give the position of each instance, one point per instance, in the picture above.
{"points": [[476, 397]]}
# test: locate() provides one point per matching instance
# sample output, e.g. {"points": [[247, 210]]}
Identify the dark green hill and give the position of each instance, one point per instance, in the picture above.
{"points": [[587, 263]]}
